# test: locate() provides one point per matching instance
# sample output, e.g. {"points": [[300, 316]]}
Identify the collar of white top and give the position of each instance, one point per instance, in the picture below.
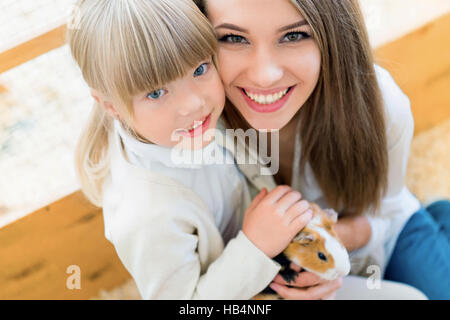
{"points": [[170, 156]]}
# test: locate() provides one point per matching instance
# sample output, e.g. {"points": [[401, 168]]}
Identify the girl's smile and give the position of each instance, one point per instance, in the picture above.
{"points": [[197, 128]]}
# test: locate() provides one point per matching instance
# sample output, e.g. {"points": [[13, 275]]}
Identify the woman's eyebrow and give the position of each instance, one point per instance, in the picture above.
{"points": [[294, 25], [237, 28], [231, 26]]}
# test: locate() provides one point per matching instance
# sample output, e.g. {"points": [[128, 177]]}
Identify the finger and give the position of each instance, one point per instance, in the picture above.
{"points": [[312, 293], [331, 296], [295, 267], [296, 209], [289, 293], [288, 200], [274, 195], [323, 290], [300, 206], [257, 199], [303, 280], [300, 221]]}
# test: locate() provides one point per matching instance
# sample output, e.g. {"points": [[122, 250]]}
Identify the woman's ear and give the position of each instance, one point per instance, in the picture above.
{"points": [[105, 104]]}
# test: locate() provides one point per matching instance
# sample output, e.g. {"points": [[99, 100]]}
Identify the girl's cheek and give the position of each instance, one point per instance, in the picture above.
{"points": [[229, 66]]}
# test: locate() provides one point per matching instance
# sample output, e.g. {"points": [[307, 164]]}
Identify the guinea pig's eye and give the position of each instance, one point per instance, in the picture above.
{"points": [[322, 256]]}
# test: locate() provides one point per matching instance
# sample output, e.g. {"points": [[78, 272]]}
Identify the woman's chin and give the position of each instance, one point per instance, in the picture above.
{"points": [[267, 124]]}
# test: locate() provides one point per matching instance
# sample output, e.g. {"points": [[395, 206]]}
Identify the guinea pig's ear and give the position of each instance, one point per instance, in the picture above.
{"points": [[304, 237], [331, 214]]}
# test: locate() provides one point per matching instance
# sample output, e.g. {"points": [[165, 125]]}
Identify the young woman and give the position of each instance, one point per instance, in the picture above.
{"points": [[306, 68]]}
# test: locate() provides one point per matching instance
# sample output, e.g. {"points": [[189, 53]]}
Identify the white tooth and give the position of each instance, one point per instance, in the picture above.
{"points": [[263, 99], [269, 99]]}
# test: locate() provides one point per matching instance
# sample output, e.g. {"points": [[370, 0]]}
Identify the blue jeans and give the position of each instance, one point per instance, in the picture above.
{"points": [[421, 257]]}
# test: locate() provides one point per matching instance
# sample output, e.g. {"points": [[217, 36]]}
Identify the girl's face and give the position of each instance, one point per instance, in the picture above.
{"points": [[183, 110], [267, 59]]}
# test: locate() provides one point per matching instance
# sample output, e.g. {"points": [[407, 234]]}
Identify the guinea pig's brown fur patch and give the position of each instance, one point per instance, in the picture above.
{"points": [[327, 223], [306, 253]]}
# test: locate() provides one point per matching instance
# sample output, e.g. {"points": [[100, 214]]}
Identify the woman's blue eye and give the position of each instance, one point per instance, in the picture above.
{"points": [[201, 70], [295, 36], [231, 38], [156, 94]]}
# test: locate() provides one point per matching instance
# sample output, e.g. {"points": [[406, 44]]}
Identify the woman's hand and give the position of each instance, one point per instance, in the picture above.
{"points": [[273, 219], [354, 232], [307, 286]]}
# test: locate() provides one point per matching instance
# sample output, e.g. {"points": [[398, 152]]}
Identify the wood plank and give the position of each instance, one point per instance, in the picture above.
{"points": [[420, 63], [33, 48], [37, 250]]}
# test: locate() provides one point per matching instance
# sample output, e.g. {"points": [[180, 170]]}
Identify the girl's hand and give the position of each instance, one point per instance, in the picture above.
{"points": [[307, 286], [273, 219]]}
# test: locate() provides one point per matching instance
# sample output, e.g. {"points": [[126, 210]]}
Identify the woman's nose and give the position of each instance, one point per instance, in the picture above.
{"points": [[266, 69]]}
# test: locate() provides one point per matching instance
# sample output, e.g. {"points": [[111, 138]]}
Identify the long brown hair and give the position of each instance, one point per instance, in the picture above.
{"points": [[343, 119]]}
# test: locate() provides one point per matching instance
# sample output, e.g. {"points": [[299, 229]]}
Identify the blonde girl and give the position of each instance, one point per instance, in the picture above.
{"points": [[176, 227]]}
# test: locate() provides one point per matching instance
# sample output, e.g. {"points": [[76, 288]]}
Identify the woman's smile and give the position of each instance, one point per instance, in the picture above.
{"points": [[267, 101]]}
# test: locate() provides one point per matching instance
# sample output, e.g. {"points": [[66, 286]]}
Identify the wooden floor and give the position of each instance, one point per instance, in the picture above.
{"points": [[37, 250], [420, 63]]}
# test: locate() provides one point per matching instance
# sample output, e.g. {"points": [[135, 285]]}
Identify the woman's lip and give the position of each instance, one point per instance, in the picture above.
{"points": [[199, 130], [267, 108]]}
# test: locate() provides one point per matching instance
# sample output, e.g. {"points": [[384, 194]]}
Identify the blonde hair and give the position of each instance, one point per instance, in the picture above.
{"points": [[343, 119], [124, 47]]}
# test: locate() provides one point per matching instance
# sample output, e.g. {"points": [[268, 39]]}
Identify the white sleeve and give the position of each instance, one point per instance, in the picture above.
{"points": [[161, 252], [400, 129]]}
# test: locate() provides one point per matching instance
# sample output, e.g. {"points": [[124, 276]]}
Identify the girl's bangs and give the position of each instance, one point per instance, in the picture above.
{"points": [[159, 43]]}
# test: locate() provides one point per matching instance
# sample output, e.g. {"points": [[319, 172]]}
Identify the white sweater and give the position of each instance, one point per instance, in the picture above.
{"points": [[176, 227]]}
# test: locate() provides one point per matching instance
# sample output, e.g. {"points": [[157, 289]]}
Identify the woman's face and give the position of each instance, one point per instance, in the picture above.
{"points": [[267, 59]]}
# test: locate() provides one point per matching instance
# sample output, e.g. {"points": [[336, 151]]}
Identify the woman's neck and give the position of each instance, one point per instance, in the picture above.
{"points": [[286, 152]]}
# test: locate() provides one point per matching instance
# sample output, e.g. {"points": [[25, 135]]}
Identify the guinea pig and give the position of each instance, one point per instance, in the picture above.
{"points": [[316, 248]]}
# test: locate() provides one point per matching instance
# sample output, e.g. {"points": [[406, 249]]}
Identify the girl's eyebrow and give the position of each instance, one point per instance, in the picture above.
{"points": [[237, 28]]}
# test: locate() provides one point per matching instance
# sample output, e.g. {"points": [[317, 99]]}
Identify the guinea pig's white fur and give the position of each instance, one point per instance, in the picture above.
{"points": [[333, 246]]}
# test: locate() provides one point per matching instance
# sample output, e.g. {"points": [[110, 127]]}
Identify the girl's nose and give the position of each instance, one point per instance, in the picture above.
{"points": [[266, 70], [191, 100]]}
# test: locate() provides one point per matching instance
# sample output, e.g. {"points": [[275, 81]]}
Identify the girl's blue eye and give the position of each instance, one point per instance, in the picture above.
{"points": [[295, 36], [201, 70], [231, 38], [156, 94]]}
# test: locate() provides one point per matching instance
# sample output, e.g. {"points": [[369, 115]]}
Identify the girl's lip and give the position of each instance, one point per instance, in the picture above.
{"points": [[267, 108], [199, 130]]}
